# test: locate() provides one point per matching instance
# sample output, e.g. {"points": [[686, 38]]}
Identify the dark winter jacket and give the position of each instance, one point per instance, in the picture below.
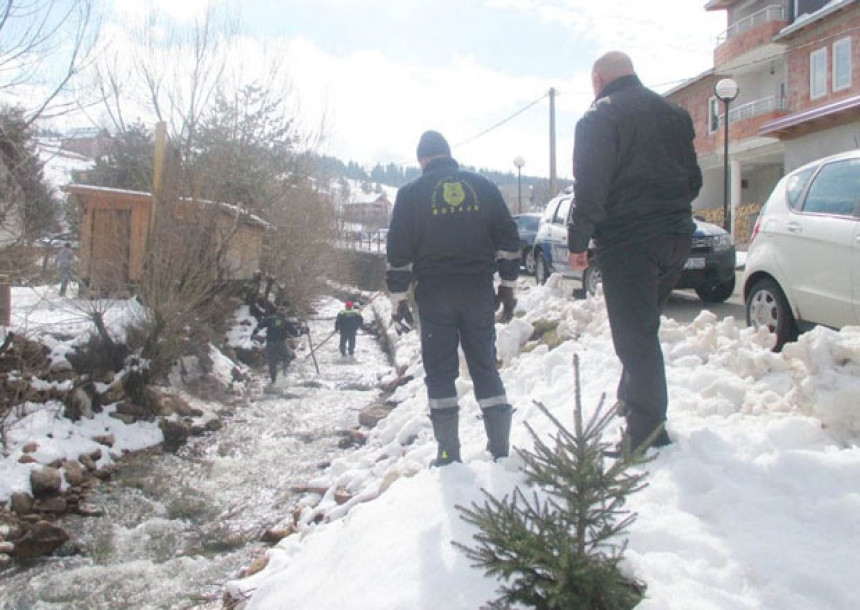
{"points": [[348, 322], [450, 221], [635, 168], [278, 328]]}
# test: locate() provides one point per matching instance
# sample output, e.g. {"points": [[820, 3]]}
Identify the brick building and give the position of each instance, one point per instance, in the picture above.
{"points": [[90, 142], [799, 97]]}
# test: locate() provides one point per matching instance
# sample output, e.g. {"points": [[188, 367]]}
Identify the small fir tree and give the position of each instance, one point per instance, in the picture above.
{"points": [[558, 546]]}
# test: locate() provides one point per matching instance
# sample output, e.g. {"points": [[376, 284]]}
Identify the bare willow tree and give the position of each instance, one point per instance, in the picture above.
{"points": [[167, 71], [233, 144], [252, 154], [298, 252], [235, 124], [44, 45]]}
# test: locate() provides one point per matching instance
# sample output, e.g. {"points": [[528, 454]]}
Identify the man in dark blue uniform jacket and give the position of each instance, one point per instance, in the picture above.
{"points": [[450, 232], [278, 329]]}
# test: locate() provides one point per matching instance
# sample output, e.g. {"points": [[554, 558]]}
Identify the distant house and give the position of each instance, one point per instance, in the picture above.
{"points": [[90, 143], [371, 210], [115, 226], [798, 93]]}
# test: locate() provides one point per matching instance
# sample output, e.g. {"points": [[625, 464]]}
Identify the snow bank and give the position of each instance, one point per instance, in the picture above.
{"points": [[753, 506]]}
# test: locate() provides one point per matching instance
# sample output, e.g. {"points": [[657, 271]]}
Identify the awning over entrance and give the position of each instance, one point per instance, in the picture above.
{"points": [[813, 119]]}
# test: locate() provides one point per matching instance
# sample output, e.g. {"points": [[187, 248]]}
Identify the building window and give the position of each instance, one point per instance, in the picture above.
{"points": [[713, 114], [842, 64], [818, 73]]}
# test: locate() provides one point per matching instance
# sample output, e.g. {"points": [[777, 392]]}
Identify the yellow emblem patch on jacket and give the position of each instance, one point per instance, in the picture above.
{"points": [[453, 193], [453, 197]]}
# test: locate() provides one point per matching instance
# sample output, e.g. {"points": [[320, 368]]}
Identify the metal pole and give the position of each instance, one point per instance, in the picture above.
{"points": [[313, 355], [5, 304], [519, 190], [726, 220], [552, 175], [158, 171]]}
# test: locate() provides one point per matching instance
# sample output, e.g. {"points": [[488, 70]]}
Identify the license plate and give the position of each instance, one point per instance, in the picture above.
{"points": [[694, 263]]}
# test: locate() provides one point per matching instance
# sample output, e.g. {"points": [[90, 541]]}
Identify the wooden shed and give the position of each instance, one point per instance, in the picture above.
{"points": [[115, 226]]}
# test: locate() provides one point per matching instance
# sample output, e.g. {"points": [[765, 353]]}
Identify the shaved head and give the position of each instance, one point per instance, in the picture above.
{"points": [[609, 67]]}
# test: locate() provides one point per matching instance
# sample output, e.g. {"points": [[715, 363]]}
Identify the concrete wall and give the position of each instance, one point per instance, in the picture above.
{"points": [[760, 181], [364, 270], [821, 144]]}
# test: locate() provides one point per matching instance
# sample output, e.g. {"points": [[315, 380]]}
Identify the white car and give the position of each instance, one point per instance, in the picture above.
{"points": [[803, 263]]}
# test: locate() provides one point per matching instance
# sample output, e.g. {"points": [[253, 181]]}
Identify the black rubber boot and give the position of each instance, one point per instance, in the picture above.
{"points": [[497, 423], [445, 429]]}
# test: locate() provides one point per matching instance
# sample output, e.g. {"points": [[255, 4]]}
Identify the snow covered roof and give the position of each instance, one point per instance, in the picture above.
{"points": [[80, 189], [357, 192], [59, 165]]}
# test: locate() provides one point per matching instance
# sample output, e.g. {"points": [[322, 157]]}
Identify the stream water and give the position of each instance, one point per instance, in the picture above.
{"points": [[176, 527]]}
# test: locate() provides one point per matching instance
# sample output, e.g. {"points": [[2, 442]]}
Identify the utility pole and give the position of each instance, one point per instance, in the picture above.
{"points": [[553, 182], [158, 170]]}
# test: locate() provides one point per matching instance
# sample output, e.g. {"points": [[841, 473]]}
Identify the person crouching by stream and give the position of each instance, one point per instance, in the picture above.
{"points": [[278, 328], [347, 323]]}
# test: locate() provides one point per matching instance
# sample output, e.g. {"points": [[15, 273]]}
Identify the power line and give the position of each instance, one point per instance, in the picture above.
{"points": [[488, 129], [502, 122]]}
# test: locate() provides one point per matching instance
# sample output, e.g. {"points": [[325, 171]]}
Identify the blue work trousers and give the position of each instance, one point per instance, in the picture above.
{"points": [[347, 342], [459, 310], [277, 353]]}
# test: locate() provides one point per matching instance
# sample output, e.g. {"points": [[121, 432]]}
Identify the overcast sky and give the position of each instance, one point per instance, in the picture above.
{"points": [[382, 71]]}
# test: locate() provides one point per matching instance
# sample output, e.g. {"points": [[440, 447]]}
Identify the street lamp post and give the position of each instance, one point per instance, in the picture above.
{"points": [[519, 162], [727, 90]]}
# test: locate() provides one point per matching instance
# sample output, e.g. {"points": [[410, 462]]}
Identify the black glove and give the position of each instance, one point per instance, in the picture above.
{"points": [[402, 316], [505, 298]]}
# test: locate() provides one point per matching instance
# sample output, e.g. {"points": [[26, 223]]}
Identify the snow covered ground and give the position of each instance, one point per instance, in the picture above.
{"points": [[175, 526], [60, 324], [754, 506]]}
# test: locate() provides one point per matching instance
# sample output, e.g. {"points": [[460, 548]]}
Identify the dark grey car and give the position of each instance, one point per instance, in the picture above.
{"points": [[709, 270], [527, 227]]}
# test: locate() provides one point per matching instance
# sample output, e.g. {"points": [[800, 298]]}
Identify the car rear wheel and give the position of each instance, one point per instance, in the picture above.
{"points": [[591, 278], [767, 307], [529, 261], [541, 268], [716, 293]]}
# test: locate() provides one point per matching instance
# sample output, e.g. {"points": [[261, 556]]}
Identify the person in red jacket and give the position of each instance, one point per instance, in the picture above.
{"points": [[347, 323]]}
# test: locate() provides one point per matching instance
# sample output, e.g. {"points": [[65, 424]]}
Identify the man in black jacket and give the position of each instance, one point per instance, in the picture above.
{"points": [[278, 328], [636, 176], [451, 231]]}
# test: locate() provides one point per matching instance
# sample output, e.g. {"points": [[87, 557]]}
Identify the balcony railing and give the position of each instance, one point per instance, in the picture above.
{"points": [[755, 108], [774, 12]]}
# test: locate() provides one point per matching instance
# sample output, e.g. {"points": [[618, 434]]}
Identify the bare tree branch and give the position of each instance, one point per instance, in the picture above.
{"points": [[44, 45]]}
